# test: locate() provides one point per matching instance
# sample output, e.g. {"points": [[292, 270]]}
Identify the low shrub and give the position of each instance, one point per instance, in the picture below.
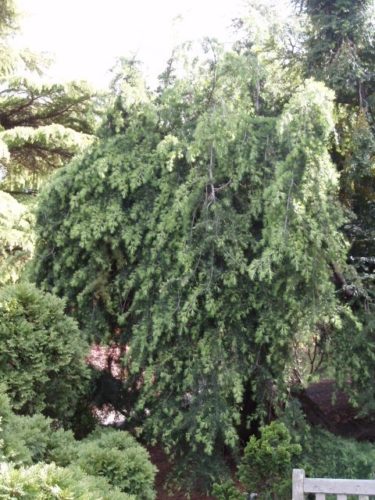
{"points": [[326, 455], [113, 455], [31, 439], [266, 466], [227, 491], [42, 358], [118, 457], [44, 482]]}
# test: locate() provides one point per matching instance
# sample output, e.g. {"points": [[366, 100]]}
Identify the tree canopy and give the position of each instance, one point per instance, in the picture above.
{"points": [[201, 206], [42, 125]]}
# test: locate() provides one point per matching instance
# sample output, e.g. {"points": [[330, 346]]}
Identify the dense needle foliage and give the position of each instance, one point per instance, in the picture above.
{"points": [[16, 238], [42, 354], [197, 210], [219, 232]]}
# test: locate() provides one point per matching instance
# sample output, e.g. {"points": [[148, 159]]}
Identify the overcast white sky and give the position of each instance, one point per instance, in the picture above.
{"points": [[86, 36]]}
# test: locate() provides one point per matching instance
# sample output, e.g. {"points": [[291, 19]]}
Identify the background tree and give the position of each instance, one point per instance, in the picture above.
{"points": [[8, 24], [340, 50], [340, 47], [16, 238], [42, 125]]}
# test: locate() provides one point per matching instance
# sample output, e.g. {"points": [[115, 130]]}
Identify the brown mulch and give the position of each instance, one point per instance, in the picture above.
{"points": [[325, 405]]}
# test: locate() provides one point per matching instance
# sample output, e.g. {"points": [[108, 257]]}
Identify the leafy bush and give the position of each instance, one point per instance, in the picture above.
{"points": [[30, 439], [266, 467], [37, 441], [42, 354], [43, 482], [227, 491], [327, 455], [118, 457]]}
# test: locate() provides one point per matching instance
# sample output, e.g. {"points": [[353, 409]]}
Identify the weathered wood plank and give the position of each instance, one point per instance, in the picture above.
{"points": [[298, 484], [339, 486], [320, 496], [342, 497]]}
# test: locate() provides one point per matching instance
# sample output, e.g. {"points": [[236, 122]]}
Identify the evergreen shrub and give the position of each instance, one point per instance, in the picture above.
{"points": [[325, 454], [118, 457], [27, 439], [266, 466], [42, 359], [44, 482]]}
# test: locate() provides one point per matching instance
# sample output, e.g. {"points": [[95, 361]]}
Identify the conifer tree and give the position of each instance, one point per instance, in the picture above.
{"points": [[180, 231], [42, 125], [340, 47]]}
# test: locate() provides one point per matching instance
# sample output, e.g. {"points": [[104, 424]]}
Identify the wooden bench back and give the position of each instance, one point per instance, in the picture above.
{"points": [[322, 487]]}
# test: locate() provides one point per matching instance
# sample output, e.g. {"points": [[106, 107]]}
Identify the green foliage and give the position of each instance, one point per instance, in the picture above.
{"points": [[112, 455], [266, 466], [7, 16], [43, 482], [277, 40], [325, 454], [28, 440], [117, 456], [204, 232], [227, 491], [340, 51], [340, 45], [122, 166], [200, 207], [174, 239], [42, 127], [16, 238], [42, 353], [301, 237], [8, 25]]}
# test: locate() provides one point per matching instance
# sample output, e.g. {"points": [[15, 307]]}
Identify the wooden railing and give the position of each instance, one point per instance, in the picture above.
{"points": [[322, 487]]}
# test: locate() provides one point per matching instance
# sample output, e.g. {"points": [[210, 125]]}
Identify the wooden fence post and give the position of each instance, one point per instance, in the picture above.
{"points": [[298, 480]]}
